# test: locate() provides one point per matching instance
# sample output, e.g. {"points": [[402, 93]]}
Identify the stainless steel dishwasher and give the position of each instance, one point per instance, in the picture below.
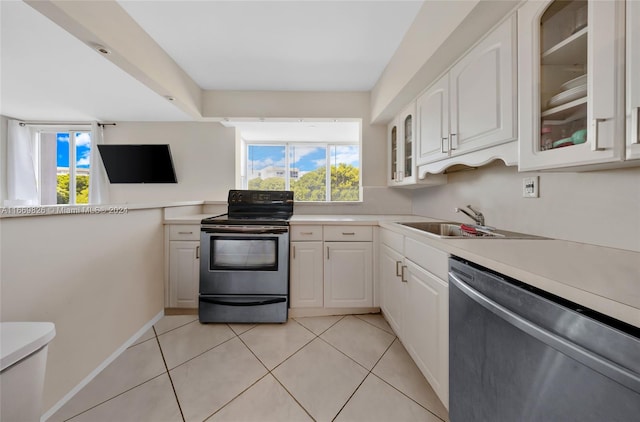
{"points": [[517, 353]]}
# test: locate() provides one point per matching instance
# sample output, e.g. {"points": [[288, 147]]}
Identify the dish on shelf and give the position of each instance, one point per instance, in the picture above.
{"points": [[568, 95], [562, 143], [573, 83]]}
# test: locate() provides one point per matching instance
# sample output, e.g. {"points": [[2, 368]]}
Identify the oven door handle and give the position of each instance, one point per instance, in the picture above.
{"points": [[248, 230], [256, 303]]}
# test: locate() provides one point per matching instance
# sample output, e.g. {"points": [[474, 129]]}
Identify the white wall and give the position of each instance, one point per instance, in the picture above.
{"points": [[203, 157], [98, 278], [601, 208], [3, 158]]}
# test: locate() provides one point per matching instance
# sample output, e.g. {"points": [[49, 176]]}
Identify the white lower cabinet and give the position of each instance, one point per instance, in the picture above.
{"points": [[426, 327], [182, 265], [331, 266], [184, 273], [393, 295], [307, 275], [348, 279], [415, 303]]}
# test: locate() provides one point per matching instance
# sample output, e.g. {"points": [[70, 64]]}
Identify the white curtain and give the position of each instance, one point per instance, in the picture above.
{"points": [[21, 172], [98, 182]]}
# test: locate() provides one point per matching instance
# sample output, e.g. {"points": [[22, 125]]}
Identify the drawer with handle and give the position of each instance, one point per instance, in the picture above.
{"points": [[184, 232], [348, 233], [302, 233]]}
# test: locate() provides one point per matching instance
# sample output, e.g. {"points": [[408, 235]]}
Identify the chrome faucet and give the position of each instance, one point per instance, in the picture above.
{"points": [[477, 215]]}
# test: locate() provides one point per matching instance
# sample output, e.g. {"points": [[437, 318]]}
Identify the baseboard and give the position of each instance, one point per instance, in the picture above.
{"points": [[314, 312], [100, 367], [181, 311]]}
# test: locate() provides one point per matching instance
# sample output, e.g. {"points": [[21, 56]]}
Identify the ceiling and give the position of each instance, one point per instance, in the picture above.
{"points": [[302, 130], [48, 74]]}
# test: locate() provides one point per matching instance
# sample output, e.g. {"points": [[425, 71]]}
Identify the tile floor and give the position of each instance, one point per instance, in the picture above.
{"points": [[343, 368]]}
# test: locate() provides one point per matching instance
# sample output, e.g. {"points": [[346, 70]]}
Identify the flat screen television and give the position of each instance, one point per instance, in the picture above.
{"points": [[127, 163]]}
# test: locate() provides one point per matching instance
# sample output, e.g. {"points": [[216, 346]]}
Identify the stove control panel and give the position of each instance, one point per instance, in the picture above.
{"points": [[260, 197]]}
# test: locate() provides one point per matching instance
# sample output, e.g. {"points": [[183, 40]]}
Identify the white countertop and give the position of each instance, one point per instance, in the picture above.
{"points": [[47, 210], [604, 279]]}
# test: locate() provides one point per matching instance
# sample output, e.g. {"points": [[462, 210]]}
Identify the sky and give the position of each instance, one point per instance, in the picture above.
{"points": [[304, 158], [83, 149]]}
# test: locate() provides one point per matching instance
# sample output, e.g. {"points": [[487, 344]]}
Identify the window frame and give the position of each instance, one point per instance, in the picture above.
{"points": [[72, 130], [244, 175]]}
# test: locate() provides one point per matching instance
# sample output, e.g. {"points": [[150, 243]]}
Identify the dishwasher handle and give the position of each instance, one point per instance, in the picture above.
{"points": [[590, 359]]}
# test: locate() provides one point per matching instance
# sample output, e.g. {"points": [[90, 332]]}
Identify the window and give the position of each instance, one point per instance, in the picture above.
{"points": [[319, 159], [64, 160], [323, 172]]}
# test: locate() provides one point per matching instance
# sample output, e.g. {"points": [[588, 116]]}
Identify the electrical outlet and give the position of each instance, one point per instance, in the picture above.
{"points": [[530, 187]]}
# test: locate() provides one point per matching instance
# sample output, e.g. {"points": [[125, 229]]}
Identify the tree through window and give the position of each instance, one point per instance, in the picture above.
{"points": [[313, 171]]}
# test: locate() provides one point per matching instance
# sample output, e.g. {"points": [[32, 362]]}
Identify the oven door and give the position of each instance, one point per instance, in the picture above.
{"points": [[244, 260]]}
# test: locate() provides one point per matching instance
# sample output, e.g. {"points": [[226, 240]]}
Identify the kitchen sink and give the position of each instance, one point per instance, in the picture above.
{"points": [[452, 230]]}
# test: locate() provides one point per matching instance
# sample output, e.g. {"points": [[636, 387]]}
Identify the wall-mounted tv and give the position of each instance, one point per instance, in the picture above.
{"points": [[138, 163]]}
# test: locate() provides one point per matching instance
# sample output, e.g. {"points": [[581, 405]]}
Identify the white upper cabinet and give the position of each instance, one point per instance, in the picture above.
{"points": [[433, 123], [633, 80], [401, 145], [472, 108], [393, 149], [483, 87], [403, 149], [571, 84]]}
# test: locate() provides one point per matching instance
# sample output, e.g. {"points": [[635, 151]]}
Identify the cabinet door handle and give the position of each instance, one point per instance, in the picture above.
{"points": [[404, 280], [451, 148], [442, 145], [398, 270], [197, 252], [306, 233], [594, 138], [348, 233], [185, 232], [327, 253], [635, 116], [294, 252]]}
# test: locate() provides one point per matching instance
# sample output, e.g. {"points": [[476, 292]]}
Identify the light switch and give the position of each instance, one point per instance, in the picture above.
{"points": [[530, 187]]}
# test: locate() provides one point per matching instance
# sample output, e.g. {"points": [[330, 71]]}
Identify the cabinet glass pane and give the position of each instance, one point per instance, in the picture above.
{"points": [[563, 74], [394, 152], [408, 141]]}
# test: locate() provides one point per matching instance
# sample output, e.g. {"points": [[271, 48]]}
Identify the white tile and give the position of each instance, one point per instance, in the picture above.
{"points": [[320, 378], [377, 320], [171, 322], [398, 369], [210, 381], [241, 328], [273, 343], [148, 335], [377, 401], [264, 401], [133, 367], [190, 340], [319, 324], [359, 340], [151, 401]]}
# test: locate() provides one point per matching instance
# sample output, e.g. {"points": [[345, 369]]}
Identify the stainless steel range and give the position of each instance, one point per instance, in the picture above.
{"points": [[244, 266]]}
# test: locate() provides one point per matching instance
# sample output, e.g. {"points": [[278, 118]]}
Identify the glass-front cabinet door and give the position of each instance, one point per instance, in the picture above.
{"points": [[633, 79], [408, 124], [401, 148], [392, 150], [571, 84]]}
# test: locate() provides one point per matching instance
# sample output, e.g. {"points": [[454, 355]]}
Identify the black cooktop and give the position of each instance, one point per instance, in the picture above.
{"points": [[262, 221], [254, 207]]}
